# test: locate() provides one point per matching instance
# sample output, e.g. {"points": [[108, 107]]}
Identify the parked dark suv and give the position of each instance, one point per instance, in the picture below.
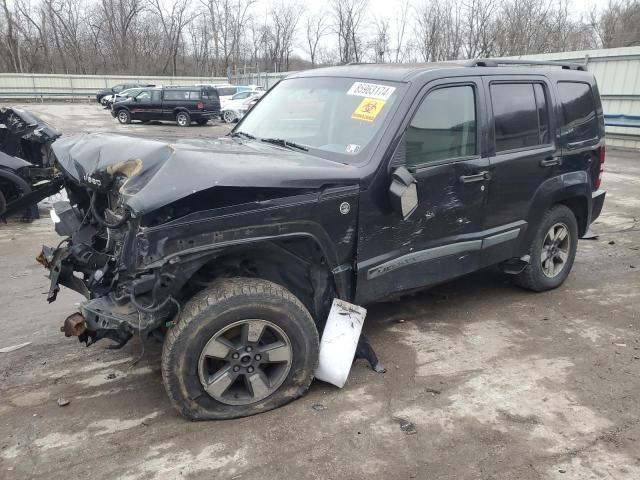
{"points": [[179, 104], [355, 182]]}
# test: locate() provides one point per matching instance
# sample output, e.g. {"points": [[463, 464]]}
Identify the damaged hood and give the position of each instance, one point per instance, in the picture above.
{"points": [[159, 173]]}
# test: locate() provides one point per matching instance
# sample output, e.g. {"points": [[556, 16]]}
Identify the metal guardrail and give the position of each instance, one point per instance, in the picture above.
{"points": [[621, 120]]}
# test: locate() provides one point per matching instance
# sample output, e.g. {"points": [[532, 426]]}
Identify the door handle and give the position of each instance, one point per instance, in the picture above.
{"points": [[551, 161], [478, 177]]}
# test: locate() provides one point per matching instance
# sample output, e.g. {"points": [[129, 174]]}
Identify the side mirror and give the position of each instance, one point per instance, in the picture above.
{"points": [[403, 192]]}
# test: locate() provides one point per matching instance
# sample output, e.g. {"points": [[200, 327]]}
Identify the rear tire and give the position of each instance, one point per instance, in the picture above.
{"points": [[183, 119], [552, 251], [124, 116], [214, 368], [3, 203]]}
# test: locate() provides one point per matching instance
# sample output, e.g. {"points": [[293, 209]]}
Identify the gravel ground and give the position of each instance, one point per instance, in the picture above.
{"points": [[484, 380]]}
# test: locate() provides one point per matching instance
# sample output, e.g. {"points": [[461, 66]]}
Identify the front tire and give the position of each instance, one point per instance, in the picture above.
{"points": [[124, 116], [552, 251], [242, 346]]}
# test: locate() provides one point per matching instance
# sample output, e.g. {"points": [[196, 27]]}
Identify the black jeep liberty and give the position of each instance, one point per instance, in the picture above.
{"points": [[355, 182]]}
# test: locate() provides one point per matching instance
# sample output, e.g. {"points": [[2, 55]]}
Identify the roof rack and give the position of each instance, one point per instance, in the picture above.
{"points": [[496, 62]]}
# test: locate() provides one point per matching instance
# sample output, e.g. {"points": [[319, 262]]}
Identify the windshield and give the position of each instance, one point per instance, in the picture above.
{"points": [[335, 118]]}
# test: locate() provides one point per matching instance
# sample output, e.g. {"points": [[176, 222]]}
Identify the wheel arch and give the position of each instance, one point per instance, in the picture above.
{"points": [[570, 189], [298, 263], [178, 110]]}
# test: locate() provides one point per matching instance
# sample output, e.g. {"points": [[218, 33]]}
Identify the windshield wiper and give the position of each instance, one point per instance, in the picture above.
{"points": [[243, 135], [285, 143]]}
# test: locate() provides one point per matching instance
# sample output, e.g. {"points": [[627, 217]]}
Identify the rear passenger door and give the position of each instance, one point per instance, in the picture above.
{"points": [[524, 154]]}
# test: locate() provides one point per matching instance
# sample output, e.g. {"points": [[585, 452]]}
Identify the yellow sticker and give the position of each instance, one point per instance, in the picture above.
{"points": [[368, 109]]}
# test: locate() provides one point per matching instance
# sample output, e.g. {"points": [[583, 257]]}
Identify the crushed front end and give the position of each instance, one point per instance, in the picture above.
{"points": [[97, 259]]}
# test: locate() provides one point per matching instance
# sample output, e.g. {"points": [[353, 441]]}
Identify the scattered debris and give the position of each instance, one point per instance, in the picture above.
{"points": [[111, 376], [562, 471], [432, 391], [63, 402], [406, 426], [612, 242], [620, 344], [13, 348], [318, 407], [400, 320]]}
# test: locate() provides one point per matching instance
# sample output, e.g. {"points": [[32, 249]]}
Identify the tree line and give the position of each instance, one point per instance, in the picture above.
{"points": [[214, 37]]}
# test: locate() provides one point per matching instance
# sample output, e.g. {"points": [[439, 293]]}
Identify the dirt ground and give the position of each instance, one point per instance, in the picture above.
{"points": [[484, 380]]}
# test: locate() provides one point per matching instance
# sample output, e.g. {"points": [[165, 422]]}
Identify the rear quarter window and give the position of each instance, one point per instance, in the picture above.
{"points": [[181, 95], [579, 111]]}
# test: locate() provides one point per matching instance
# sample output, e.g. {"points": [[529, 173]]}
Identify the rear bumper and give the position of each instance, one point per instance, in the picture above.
{"points": [[597, 201], [209, 115]]}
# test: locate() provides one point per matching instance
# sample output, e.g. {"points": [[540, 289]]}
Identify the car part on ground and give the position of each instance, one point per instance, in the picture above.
{"points": [[27, 173], [337, 184]]}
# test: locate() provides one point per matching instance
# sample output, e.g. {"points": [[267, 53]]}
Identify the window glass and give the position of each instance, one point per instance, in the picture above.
{"points": [[515, 116], [181, 95], [337, 118], [118, 88], [543, 112], [443, 127], [144, 96], [578, 106], [226, 91], [209, 93]]}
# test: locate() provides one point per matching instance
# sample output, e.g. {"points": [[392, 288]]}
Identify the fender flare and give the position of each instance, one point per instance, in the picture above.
{"points": [[562, 188], [22, 185]]}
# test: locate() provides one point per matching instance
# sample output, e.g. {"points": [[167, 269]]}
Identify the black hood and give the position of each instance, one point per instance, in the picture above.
{"points": [[160, 173]]}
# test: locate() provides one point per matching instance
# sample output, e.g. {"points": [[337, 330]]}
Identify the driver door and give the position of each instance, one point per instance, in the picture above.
{"points": [[444, 149]]}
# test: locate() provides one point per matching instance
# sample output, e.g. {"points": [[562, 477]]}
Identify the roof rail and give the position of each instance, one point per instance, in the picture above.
{"points": [[496, 62]]}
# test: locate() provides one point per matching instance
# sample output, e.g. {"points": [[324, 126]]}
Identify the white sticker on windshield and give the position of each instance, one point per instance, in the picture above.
{"points": [[352, 148], [371, 90]]}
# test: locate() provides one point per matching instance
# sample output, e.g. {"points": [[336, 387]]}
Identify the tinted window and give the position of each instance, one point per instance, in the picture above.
{"points": [[443, 127], [578, 106], [209, 94], [181, 95], [118, 88], [144, 96], [515, 116], [226, 91]]}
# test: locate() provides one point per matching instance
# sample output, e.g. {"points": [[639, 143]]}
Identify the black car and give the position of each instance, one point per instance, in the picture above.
{"points": [[119, 88], [27, 173], [355, 182], [179, 104]]}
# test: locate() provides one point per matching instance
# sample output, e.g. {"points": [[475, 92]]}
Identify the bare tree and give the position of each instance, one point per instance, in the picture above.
{"points": [[348, 16], [316, 27], [280, 33]]}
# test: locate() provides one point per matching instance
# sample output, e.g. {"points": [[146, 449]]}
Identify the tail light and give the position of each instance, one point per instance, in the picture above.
{"points": [[200, 106], [600, 167]]}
